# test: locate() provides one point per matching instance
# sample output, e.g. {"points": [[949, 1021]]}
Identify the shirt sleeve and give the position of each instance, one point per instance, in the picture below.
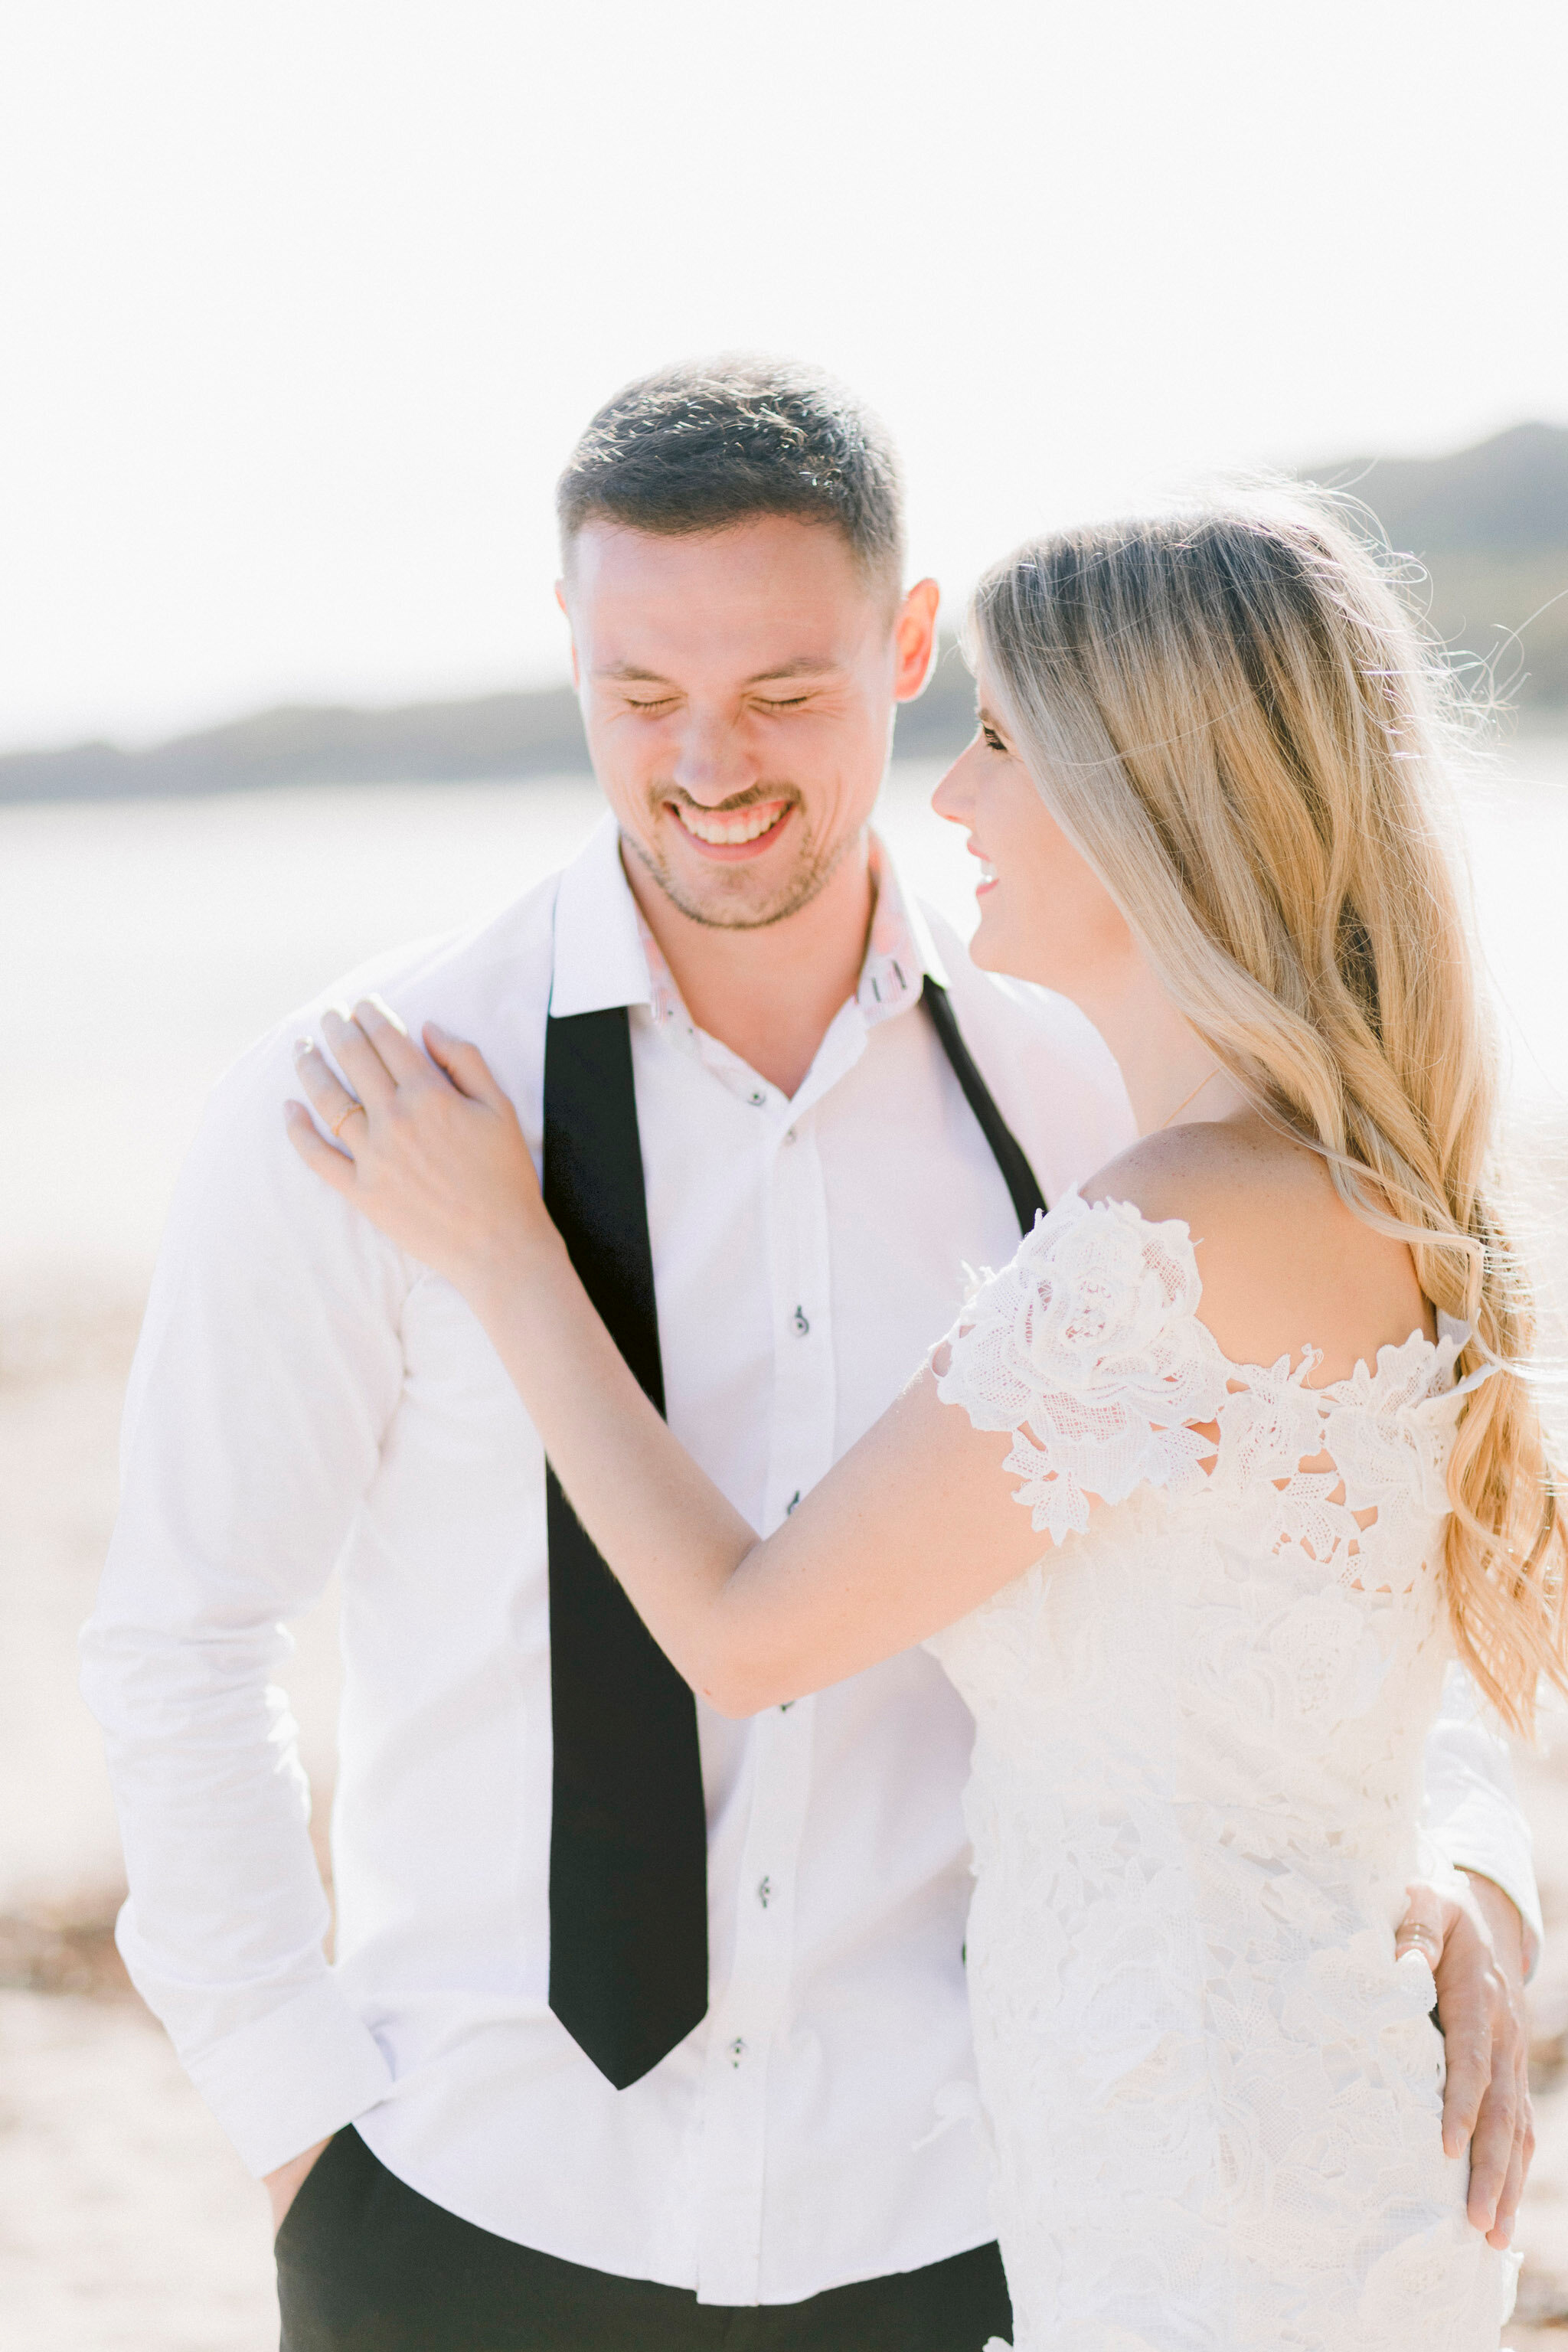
{"points": [[270, 1365], [1473, 1815]]}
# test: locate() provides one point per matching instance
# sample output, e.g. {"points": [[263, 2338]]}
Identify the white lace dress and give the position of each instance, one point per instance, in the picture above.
{"points": [[1212, 2094]]}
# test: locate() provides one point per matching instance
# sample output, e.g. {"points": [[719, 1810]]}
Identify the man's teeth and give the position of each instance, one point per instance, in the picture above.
{"points": [[987, 871], [726, 831]]}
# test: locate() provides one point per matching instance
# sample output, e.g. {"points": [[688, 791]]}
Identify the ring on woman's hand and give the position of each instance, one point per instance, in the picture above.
{"points": [[348, 1112], [1427, 1937]]}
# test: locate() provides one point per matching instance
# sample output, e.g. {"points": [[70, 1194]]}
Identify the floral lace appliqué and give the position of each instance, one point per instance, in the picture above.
{"points": [[1212, 2094], [1089, 1350]]}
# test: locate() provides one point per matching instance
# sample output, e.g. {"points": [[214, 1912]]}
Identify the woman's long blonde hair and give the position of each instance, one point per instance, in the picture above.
{"points": [[1242, 730]]}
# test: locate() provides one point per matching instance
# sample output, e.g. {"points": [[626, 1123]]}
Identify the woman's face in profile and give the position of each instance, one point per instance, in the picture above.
{"points": [[1045, 914]]}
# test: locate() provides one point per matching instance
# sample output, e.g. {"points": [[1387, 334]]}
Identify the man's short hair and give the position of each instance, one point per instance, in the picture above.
{"points": [[713, 443]]}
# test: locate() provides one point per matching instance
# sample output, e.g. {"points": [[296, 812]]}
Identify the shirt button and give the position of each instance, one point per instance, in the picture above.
{"points": [[789, 1135], [757, 1098], [764, 1890], [737, 2051], [801, 1325]]}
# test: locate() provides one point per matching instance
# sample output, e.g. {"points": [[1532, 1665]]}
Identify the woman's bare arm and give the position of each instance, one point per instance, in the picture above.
{"points": [[918, 1524], [909, 1532], [913, 1527]]}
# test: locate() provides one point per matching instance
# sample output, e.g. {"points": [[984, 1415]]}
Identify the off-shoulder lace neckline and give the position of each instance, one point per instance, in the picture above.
{"points": [[1365, 1384]]}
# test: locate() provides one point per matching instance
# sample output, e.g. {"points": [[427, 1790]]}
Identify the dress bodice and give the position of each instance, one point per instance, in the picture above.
{"points": [[1195, 1803]]}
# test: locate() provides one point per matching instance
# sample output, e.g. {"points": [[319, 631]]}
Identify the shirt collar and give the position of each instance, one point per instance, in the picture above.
{"points": [[900, 951], [599, 958], [605, 955]]}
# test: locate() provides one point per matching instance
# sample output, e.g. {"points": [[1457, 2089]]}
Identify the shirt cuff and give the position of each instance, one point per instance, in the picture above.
{"points": [[1482, 1836], [292, 2077]]}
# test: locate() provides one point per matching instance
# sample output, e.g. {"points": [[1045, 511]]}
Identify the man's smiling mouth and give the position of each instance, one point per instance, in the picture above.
{"points": [[731, 829]]}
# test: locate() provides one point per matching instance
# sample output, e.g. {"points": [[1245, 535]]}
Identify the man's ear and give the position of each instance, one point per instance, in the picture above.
{"points": [[914, 635], [561, 600]]}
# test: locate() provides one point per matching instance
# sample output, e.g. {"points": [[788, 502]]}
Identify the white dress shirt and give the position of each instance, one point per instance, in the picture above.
{"points": [[305, 1395]]}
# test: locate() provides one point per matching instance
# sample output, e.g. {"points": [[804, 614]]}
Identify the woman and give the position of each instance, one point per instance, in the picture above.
{"points": [[1255, 1389]]}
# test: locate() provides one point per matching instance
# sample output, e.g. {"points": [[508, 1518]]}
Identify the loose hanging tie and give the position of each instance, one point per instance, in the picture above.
{"points": [[628, 1838]]}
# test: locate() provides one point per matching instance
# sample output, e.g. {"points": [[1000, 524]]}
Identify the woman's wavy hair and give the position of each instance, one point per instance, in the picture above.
{"points": [[1241, 727]]}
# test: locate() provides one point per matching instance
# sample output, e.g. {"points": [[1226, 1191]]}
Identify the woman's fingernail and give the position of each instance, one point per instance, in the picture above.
{"points": [[303, 1046]]}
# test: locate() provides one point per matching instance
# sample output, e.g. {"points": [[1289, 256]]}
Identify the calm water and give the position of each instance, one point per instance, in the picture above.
{"points": [[143, 945]]}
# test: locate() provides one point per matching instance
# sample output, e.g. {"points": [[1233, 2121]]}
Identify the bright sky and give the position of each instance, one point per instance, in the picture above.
{"points": [[304, 300]]}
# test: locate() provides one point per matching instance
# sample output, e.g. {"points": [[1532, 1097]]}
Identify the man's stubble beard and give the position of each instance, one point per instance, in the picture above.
{"points": [[809, 876]]}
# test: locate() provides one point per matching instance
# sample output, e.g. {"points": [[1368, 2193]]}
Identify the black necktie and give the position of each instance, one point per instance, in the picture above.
{"points": [[628, 1833], [1028, 1201], [628, 1828]]}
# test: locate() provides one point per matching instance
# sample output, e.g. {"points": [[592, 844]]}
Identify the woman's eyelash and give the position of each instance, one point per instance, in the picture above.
{"points": [[992, 740]]}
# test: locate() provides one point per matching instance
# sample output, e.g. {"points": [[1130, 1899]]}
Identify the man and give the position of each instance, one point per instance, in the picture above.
{"points": [[643, 2027]]}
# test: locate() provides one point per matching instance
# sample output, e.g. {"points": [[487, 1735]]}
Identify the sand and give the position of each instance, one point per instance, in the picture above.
{"points": [[127, 2223]]}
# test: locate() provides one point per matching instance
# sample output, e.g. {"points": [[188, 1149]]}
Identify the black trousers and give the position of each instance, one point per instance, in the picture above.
{"points": [[366, 2264]]}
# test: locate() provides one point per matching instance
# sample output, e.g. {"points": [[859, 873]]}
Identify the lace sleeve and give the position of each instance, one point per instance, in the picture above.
{"points": [[1088, 1349]]}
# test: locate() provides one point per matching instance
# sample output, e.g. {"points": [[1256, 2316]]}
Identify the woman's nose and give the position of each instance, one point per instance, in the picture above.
{"points": [[953, 797]]}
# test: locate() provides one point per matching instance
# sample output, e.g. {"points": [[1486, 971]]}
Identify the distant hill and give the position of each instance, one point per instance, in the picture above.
{"points": [[1506, 500], [1489, 524], [497, 735], [450, 743]]}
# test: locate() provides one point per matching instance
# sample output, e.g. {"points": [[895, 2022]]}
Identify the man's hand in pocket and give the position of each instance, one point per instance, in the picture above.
{"points": [[283, 2186]]}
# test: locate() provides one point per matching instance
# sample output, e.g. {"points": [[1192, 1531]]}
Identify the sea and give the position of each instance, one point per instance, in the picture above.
{"points": [[145, 943]]}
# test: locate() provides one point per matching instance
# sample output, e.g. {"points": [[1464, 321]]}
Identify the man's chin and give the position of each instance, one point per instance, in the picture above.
{"points": [[733, 897], [742, 904]]}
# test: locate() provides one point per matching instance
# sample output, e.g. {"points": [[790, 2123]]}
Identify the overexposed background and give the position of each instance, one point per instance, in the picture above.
{"points": [[304, 303]]}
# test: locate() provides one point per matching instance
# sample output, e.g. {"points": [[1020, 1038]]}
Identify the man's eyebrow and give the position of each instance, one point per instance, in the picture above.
{"points": [[803, 665]]}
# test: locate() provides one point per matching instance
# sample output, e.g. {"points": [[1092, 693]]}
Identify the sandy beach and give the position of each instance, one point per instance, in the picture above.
{"points": [[126, 2222]]}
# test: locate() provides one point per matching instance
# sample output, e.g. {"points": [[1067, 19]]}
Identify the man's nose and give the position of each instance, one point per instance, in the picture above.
{"points": [[711, 761]]}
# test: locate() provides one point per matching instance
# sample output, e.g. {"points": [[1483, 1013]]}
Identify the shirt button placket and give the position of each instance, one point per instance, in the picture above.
{"points": [[750, 2009]]}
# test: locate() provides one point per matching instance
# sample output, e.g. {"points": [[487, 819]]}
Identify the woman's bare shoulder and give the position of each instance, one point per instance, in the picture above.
{"points": [[1285, 1264]]}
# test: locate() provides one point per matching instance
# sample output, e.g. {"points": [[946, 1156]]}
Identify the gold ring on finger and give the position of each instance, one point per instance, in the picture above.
{"points": [[348, 1112]]}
